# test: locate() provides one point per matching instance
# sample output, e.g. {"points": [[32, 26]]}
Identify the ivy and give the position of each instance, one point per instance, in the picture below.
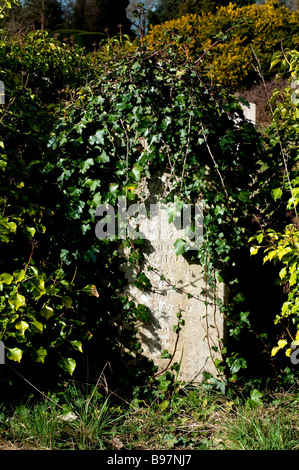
{"points": [[146, 113], [280, 245], [131, 115]]}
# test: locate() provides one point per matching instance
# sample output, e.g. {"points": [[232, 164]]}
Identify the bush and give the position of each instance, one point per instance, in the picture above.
{"points": [[37, 71], [61, 291], [230, 60], [147, 111], [88, 40], [280, 245]]}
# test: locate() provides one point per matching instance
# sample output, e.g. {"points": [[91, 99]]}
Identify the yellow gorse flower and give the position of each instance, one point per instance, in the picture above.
{"points": [[229, 62]]}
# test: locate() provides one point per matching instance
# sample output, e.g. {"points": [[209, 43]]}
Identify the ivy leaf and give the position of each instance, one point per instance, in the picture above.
{"points": [[260, 237], [67, 301], [97, 138], [244, 196], [256, 396], [180, 246], [40, 355], [165, 354], [77, 345], [86, 165], [276, 193], [37, 327], [29, 232], [19, 275], [281, 344], [6, 278], [17, 301], [289, 352], [255, 399], [142, 313], [136, 171], [293, 279], [103, 158], [91, 289], [67, 364], [14, 354], [47, 312], [22, 326]]}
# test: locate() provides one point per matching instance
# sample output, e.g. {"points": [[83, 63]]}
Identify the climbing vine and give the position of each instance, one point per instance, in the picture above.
{"points": [[133, 114], [280, 245], [143, 113]]}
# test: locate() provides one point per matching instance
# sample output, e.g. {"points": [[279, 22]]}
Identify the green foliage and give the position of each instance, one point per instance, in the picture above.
{"points": [[280, 245], [5, 6], [64, 151], [38, 298], [145, 112], [88, 40]]}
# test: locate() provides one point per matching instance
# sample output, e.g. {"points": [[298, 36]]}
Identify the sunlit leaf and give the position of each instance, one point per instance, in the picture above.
{"points": [[22, 326], [15, 354], [68, 365], [77, 345], [6, 278], [47, 312], [17, 301]]}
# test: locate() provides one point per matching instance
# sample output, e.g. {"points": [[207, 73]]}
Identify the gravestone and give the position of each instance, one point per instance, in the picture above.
{"points": [[197, 344], [250, 112]]}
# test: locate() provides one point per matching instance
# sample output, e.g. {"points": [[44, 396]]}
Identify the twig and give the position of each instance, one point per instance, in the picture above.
{"points": [[95, 387], [214, 161], [213, 45], [180, 289], [186, 153]]}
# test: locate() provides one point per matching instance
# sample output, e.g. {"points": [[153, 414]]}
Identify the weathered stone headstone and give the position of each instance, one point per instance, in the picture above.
{"points": [[196, 345], [201, 337]]}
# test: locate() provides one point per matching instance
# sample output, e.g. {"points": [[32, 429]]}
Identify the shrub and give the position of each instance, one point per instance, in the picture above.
{"points": [[36, 71], [230, 60], [280, 245], [147, 111], [86, 39]]}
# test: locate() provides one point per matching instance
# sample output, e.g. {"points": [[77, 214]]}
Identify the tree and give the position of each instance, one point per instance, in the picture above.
{"points": [[102, 16], [168, 10], [42, 14], [139, 13]]}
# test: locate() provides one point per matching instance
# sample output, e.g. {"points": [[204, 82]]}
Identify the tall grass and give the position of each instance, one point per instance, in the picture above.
{"points": [[261, 429], [190, 419], [81, 422]]}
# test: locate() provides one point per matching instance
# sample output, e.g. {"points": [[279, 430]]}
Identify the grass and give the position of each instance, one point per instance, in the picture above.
{"points": [[192, 419]]}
